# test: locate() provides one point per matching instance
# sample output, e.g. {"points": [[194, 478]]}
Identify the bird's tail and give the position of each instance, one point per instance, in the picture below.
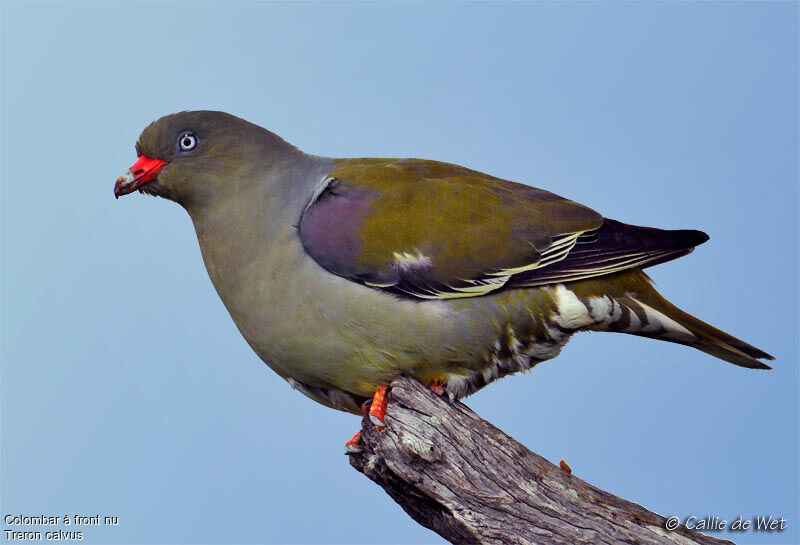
{"points": [[635, 307]]}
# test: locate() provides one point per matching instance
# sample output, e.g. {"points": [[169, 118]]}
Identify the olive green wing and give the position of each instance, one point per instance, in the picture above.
{"points": [[433, 230]]}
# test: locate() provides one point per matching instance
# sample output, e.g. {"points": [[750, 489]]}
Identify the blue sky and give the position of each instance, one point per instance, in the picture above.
{"points": [[126, 388]]}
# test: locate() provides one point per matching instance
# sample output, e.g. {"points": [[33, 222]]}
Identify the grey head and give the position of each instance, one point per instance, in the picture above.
{"points": [[197, 157]]}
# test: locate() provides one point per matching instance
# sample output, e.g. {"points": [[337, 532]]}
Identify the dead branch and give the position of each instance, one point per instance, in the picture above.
{"points": [[458, 475]]}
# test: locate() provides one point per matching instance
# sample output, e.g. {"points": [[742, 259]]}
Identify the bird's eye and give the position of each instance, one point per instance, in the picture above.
{"points": [[187, 141]]}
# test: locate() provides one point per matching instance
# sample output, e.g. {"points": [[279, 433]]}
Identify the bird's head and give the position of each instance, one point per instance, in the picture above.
{"points": [[195, 156]]}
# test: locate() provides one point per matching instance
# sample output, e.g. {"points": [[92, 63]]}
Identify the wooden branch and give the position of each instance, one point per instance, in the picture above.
{"points": [[466, 480]]}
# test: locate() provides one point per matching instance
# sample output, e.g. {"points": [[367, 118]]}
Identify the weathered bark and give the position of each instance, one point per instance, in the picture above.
{"points": [[458, 475]]}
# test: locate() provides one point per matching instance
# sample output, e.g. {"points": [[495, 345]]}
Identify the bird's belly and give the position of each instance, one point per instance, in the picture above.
{"points": [[336, 340], [461, 345]]}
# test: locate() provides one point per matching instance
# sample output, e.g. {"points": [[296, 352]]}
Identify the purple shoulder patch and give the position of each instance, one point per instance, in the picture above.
{"points": [[330, 229]]}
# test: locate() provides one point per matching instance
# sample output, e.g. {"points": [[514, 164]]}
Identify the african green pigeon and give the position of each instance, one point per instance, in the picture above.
{"points": [[343, 274]]}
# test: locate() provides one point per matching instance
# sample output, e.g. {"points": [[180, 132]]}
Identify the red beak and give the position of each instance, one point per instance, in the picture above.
{"points": [[144, 170]]}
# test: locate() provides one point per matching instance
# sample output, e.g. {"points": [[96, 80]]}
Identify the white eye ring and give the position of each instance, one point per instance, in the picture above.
{"points": [[187, 141]]}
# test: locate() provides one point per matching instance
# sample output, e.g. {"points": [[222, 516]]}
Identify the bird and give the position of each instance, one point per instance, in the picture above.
{"points": [[344, 274]]}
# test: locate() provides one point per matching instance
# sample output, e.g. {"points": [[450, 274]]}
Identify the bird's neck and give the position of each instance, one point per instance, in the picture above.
{"points": [[246, 236]]}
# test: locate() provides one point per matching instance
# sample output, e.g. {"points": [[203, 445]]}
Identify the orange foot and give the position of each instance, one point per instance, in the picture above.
{"points": [[437, 388], [353, 446], [565, 466], [377, 409], [377, 413], [440, 389]]}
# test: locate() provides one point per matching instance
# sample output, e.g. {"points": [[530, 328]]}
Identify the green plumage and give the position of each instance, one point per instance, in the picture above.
{"points": [[464, 222], [343, 273]]}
